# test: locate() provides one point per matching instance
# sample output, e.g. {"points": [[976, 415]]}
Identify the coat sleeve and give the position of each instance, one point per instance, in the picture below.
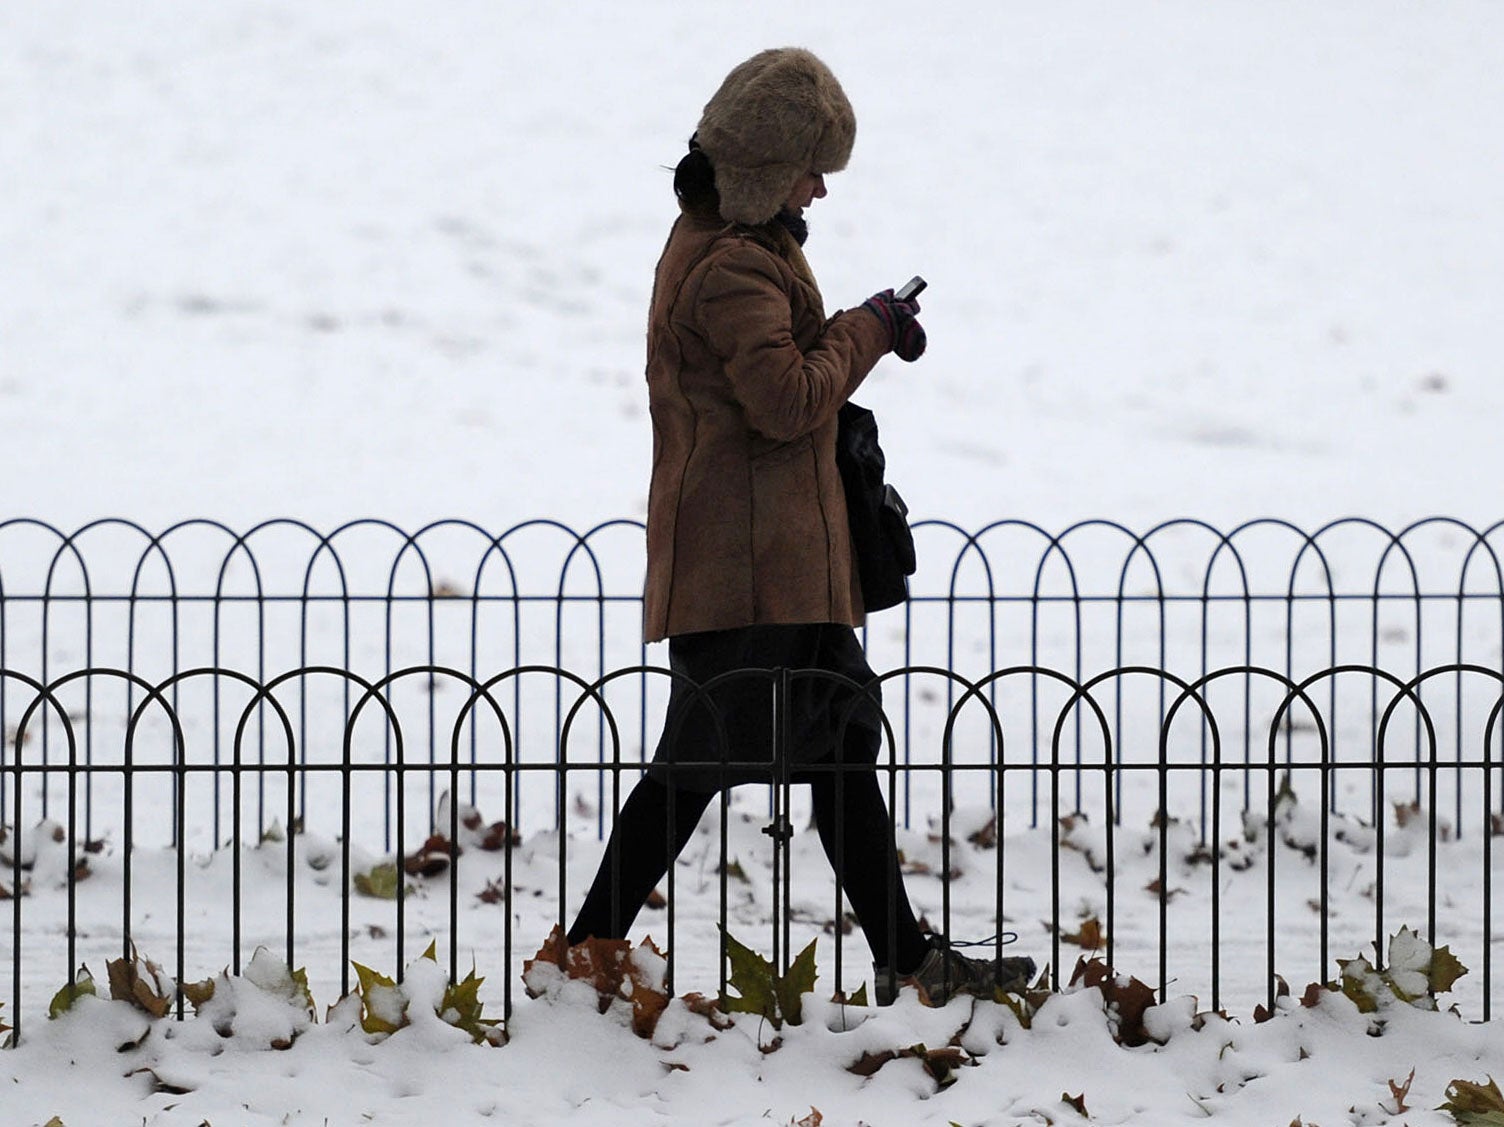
{"points": [[744, 313]]}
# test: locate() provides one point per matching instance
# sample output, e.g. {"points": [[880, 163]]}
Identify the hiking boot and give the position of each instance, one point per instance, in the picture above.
{"points": [[944, 973]]}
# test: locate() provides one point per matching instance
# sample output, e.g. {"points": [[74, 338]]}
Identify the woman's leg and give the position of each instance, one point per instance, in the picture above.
{"points": [[645, 841], [857, 834]]}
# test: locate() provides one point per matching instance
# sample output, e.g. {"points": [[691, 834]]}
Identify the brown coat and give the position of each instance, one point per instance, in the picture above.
{"points": [[746, 515]]}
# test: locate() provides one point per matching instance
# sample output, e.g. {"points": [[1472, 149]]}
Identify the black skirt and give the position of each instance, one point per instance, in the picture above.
{"points": [[720, 734]]}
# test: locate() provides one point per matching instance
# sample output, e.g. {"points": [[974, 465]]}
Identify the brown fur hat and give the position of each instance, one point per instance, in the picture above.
{"points": [[777, 116]]}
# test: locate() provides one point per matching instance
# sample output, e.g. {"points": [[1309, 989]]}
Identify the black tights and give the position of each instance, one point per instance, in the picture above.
{"points": [[645, 841]]}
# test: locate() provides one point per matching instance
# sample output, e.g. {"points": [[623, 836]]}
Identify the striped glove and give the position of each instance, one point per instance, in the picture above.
{"points": [[905, 333]]}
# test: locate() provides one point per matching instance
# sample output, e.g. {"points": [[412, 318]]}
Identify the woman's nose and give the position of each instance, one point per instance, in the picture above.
{"points": [[819, 187]]}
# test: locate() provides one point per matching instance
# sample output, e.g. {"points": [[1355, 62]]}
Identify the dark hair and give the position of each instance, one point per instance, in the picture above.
{"points": [[694, 181]]}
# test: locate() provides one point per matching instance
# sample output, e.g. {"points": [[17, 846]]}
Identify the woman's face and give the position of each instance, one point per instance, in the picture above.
{"points": [[807, 189]]}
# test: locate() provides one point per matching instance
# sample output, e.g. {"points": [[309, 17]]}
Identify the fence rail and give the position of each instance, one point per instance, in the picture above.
{"points": [[221, 729], [1240, 840]]}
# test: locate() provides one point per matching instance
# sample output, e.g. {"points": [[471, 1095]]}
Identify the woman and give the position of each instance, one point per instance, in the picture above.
{"points": [[749, 555]]}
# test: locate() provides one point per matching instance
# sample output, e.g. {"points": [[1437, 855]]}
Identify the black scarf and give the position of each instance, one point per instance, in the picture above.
{"points": [[794, 224]]}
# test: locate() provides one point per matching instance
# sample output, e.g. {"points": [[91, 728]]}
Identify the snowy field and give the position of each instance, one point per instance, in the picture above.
{"points": [[1225, 260]]}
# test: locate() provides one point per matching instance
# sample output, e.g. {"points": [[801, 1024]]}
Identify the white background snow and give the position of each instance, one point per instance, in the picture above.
{"points": [[1225, 259]]}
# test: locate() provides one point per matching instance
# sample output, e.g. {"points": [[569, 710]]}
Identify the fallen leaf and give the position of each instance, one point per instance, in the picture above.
{"points": [[1399, 1092], [1471, 1103], [1125, 1001], [380, 882], [1088, 936], [141, 983]]}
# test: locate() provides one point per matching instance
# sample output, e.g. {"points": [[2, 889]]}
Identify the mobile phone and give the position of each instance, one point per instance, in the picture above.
{"points": [[911, 289]]}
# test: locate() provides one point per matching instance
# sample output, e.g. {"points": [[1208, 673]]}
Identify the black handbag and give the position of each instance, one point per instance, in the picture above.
{"points": [[881, 543]]}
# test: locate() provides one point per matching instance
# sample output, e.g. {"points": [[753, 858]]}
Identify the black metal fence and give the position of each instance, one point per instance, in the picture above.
{"points": [[1240, 754]]}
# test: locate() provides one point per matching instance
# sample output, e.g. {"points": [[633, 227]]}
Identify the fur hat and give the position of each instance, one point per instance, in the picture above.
{"points": [[777, 116]]}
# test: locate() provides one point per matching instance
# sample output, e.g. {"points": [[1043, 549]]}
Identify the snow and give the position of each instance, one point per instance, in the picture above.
{"points": [[1231, 259]]}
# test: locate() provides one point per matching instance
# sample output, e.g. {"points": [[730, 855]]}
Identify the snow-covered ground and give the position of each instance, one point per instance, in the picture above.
{"points": [[1227, 260]]}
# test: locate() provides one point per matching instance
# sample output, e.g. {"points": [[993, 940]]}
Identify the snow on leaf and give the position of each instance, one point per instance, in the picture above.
{"points": [[140, 982], [813, 1119], [1125, 1001], [614, 969], [645, 968], [1359, 982], [1409, 961], [383, 1004], [63, 1000], [708, 1008], [271, 975], [498, 836], [1076, 1103], [1314, 992], [432, 858], [461, 1007]]}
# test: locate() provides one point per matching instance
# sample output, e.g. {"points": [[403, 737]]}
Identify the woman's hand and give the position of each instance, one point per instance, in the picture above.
{"points": [[905, 333]]}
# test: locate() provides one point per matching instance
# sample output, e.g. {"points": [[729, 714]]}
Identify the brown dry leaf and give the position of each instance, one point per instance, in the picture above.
{"points": [[1089, 936], [494, 893], [129, 984], [868, 1063], [939, 1063], [1077, 1103], [656, 901], [1312, 997], [709, 1009], [1400, 1091], [1406, 812], [433, 857], [602, 963], [158, 1085], [498, 836], [1152, 888], [608, 966], [648, 999], [1125, 1001], [813, 1119], [986, 837], [198, 993], [555, 950]]}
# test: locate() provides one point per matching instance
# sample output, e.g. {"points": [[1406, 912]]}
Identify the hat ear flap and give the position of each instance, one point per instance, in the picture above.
{"points": [[755, 195]]}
